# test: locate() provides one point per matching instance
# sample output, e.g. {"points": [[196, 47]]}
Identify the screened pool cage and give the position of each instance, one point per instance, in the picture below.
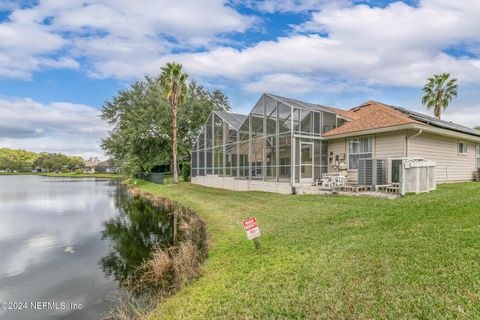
{"points": [[279, 141]]}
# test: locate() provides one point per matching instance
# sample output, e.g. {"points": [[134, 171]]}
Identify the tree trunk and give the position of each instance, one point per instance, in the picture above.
{"points": [[437, 111], [174, 145]]}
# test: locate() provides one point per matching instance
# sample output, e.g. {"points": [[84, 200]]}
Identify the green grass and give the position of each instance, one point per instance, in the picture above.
{"points": [[14, 173], [334, 257], [69, 174], [82, 175]]}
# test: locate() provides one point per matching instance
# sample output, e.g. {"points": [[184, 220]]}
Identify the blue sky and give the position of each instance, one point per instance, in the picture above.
{"points": [[60, 60]]}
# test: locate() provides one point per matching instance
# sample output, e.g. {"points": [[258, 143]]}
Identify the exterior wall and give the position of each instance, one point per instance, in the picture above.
{"points": [[451, 166], [385, 145], [338, 147], [230, 183], [389, 145]]}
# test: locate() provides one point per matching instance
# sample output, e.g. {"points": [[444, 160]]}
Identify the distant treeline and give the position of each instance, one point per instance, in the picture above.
{"points": [[19, 160]]}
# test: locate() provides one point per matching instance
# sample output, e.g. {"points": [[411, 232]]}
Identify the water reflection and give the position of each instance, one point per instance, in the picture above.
{"points": [[39, 217], [138, 226]]}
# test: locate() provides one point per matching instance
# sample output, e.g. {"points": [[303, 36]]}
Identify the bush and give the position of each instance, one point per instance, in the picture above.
{"points": [[64, 170], [186, 171], [78, 171]]}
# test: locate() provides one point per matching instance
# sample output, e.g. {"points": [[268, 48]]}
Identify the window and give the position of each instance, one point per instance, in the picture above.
{"points": [[359, 148], [462, 148]]}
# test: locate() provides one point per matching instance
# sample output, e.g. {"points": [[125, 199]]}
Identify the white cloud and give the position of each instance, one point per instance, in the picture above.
{"points": [[398, 45], [296, 6], [110, 34], [56, 127], [286, 83], [343, 46], [467, 115], [22, 46]]}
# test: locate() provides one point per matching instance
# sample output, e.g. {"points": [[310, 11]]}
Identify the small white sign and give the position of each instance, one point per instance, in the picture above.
{"points": [[253, 233], [251, 228]]}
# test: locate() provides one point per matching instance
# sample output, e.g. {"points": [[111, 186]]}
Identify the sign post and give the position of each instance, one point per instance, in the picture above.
{"points": [[252, 230]]}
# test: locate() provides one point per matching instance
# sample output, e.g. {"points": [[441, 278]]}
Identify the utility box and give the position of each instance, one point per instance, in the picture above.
{"points": [[372, 172]]}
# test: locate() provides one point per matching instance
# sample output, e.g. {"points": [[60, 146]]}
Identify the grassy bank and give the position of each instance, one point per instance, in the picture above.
{"points": [[83, 175], [334, 257], [14, 173], [69, 174]]}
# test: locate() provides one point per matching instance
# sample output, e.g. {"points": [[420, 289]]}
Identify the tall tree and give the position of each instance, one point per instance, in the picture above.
{"points": [[439, 91], [174, 86], [141, 122]]}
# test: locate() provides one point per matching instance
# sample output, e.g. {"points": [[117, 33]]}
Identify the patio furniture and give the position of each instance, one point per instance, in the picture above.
{"points": [[333, 180]]}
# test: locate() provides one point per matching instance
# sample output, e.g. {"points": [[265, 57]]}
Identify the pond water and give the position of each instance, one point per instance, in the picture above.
{"points": [[65, 243]]}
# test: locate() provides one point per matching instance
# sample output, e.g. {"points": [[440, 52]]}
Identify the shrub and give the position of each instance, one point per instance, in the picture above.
{"points": [[186, 171], [78, 171], [64, 170]]}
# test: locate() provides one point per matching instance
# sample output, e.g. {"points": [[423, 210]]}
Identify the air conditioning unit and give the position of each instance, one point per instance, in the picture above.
{"points": [[372, 172]]}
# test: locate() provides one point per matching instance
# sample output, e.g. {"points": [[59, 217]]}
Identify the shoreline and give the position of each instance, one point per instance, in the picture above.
{"points": [[66, 175], [169, 270]]}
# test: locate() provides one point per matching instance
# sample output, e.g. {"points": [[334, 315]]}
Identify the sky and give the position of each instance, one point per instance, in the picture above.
{"points": [[61, 60]]}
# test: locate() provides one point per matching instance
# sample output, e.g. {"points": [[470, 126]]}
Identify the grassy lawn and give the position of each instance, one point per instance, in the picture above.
{"points": [[334, 257]]}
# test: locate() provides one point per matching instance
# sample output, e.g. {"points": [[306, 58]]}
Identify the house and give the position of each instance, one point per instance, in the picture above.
{"points": [[107, 166], [94, 165], [90, 165], [285, 143]]}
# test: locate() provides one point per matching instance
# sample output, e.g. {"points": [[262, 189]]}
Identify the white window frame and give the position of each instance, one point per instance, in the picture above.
{"points": [[359, 153], [463, 151]]}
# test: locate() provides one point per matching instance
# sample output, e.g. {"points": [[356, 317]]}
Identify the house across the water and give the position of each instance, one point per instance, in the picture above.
{"points": [[286, 143], [94, 165]]}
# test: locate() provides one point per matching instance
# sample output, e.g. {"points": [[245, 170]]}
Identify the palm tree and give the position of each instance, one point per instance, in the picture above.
{"points": [[439, 92], [174, 86]]}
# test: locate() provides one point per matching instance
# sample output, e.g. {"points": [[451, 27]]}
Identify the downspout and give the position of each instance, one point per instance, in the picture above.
{"points": [[407, 138]]}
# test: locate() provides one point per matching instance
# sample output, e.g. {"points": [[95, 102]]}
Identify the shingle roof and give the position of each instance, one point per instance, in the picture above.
{"points": [[344, 113], [106, 163], [376, 115], [371, 115]]}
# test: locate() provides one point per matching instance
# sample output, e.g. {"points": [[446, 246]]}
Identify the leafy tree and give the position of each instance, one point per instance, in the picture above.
{"points": [[75, 162], [186, 168], [57, 161], [173, 83], [139, 117], [141, 120], [16, 159], [22, 159], [439, 91]]}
